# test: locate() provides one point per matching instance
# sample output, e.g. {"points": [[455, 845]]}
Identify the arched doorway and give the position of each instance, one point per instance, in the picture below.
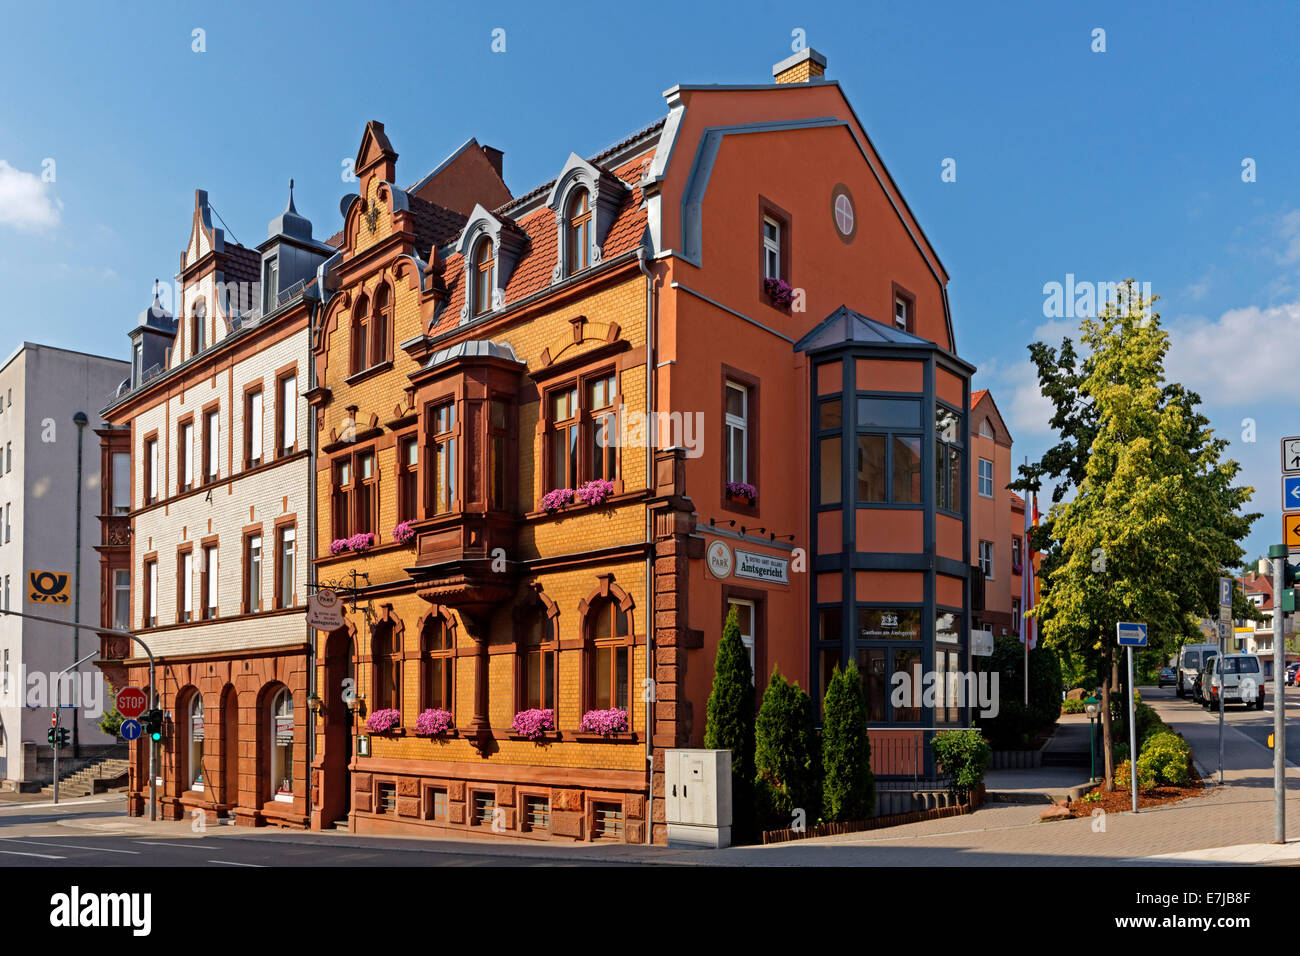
{"points": [[230, 747], [339, 686]]}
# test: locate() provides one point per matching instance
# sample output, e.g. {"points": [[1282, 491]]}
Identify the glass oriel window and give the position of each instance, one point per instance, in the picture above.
{"points": [[831, 479]]}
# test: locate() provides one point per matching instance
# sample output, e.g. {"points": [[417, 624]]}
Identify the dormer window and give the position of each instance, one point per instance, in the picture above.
{"points": [[270, 283], [579, 230], [198, 326], [484, 276]]}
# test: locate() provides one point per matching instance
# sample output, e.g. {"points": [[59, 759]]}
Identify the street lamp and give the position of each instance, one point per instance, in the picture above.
{"points": [[1091, 710], [81, 421]]}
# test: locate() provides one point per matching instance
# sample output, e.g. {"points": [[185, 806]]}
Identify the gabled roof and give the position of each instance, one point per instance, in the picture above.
{"points": [[434, 224], [999, 424]]}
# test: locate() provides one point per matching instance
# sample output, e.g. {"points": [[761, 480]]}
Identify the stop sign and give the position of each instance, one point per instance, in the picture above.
{"points": [[131, 702]]}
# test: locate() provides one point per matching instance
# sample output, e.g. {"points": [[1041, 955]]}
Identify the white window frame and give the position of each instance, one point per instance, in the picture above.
{"points": [[771, 248], [902, 312], [255, 415], [121, 466], [253, 572], [210, 567], [289, 413], [986, 559], [985, 478], [286, 550], [212, 435], [152, 571], [747, 638], [151, 450], [186, 600], [187, 455], [121, 599], [739, 424], [196, 743]]}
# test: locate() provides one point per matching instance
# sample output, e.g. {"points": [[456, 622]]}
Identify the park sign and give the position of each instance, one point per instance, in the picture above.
{"points": [[1131, 634], [325, 610]]}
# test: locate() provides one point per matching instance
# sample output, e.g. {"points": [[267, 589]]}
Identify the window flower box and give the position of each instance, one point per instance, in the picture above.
{"points": [[779, 292], [595, 492], [358, 542], [432, 723], [534, 724], [404, 533], [604, 722], [742, 490], [556, 499], [1016, 569], [383, 721]]}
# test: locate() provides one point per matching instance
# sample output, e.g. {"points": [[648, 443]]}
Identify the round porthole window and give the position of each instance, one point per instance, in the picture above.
{"points": [[843, 214]]}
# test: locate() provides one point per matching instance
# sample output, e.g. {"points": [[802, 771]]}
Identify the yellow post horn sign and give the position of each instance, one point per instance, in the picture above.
{"points": [[49, 587]]}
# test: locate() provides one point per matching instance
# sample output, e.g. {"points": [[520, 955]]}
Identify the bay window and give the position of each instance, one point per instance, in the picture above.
{"points": [[948, 444], [443, 445]]}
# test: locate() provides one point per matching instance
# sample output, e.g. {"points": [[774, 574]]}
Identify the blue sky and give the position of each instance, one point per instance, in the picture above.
{"points": [[1069, 161]]}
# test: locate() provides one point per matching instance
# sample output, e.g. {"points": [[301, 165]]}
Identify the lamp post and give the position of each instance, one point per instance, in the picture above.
{"points": [[1091, 709], [80, 420]]}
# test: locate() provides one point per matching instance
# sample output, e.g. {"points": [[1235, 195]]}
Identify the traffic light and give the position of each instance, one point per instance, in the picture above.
{"points": [[64, 735], [152, 721], [51, 734], [1289, 574]]}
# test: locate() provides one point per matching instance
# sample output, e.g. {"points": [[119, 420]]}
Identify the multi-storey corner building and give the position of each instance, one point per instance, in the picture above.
{"points": [[206, 508], [739, 293], [42, 389], [997, 520]]}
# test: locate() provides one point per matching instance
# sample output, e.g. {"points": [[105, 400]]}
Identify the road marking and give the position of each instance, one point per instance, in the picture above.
{"points": [[183, 846], [48, 805], [43, 856], [232, 863], [68, 846]]}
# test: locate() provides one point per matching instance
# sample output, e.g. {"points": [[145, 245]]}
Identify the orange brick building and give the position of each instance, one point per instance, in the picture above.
{"points": [[533, 607]]}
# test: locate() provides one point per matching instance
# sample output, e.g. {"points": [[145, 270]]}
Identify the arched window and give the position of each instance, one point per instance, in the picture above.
{"points": [[381, 325], [360, 358], [282, 745], [537, 659], [198, 326], [386, 659], [579, 215], [608, 656], [196, 742], [484, 276], [437, 664]]}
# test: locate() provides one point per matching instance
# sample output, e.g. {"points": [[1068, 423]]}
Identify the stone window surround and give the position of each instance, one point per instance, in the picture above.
{"points": [[605, 192]]}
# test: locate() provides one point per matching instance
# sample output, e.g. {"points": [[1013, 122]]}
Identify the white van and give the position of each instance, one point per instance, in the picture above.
{"points": [[1234, 679], [1191, 658]]}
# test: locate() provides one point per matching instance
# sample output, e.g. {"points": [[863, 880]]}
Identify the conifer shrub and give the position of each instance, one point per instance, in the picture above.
{"points": [[729, 723], [787, 756], [848, 787]]}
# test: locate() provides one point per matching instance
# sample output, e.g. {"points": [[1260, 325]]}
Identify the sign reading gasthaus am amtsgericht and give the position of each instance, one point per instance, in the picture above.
{"points": [[762, 567]]}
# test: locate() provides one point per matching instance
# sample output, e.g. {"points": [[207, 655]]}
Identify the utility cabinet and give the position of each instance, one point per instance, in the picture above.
{"points": [[697, 797]]}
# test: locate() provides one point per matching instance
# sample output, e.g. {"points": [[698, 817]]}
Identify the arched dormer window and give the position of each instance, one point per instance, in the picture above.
{"points": [[484, 276], [579, 230], [381, 325], [585, 200], [360, 323], [198, 326]]}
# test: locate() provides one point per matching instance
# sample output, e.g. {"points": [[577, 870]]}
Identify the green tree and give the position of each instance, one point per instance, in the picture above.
{"points": [[849, 787], [111, 721], [1155, 517], [1015, 724], [787, 755], [729, 722]]}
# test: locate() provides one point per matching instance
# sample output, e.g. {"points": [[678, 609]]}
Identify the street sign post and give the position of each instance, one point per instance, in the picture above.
{"points": [[1277, 554], [1131, 634]]}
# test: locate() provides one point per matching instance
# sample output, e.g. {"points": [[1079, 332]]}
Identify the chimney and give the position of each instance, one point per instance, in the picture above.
{"points": [[806, 66], [494, 157]]}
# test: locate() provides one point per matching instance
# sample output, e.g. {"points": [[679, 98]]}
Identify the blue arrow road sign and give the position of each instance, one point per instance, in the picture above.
{"points": [[1290, 492], [130, 729], [1131, 634]]}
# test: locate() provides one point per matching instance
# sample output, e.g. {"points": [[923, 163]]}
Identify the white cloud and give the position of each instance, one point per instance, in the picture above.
{"points": [[25, 201], [1244, 357]]}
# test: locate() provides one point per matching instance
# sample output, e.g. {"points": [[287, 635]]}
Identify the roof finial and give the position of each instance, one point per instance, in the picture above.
{"points": [[290, 207]]}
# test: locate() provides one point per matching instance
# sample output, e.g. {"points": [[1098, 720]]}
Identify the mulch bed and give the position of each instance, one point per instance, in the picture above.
{"points": [[1120, 800]]}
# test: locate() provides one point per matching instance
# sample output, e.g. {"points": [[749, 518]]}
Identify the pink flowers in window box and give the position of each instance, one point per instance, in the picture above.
{"points": [[404, 532], [779, 292], [606, 722], [358, 542], [742, 489], [556, 499], [382, 721], [433, 722], [595, 492], [534, 724]]}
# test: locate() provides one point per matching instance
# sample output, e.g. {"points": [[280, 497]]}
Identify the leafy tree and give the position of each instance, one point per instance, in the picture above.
{"points": [[1015, 724], [111, 721], [1155, 517], [787, 754], [729, 721], [849, 787]]}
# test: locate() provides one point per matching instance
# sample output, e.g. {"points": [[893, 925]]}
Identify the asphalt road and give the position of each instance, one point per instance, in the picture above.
{"points": [[1255, 724]]}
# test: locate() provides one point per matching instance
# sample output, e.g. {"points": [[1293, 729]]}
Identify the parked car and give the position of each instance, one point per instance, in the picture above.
{"points": [[1233, 679], [1291, 672], [1191, 659], [1167, 676]]}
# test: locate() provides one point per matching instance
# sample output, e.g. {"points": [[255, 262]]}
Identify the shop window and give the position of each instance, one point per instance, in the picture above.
{"points": [[889, 624], [282, 745], [196, 742]]}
